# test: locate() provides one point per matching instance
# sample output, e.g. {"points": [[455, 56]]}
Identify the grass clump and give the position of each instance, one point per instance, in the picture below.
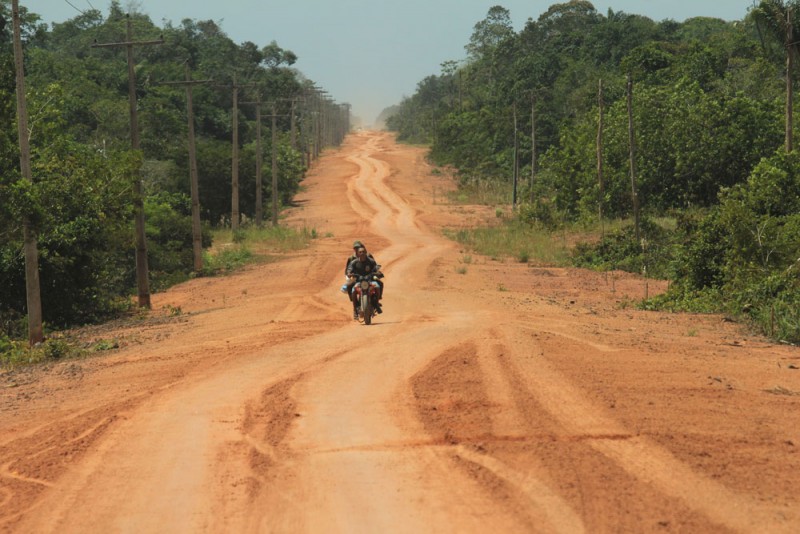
{"points": [[233, 250], [15, 353], [653, 254], [512, 239]]}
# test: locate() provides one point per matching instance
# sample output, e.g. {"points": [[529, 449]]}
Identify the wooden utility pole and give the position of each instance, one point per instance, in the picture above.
{"points": [[235, 214], [632, 151], [600, 105], [197, 234], [274, 168], [259, 163], [235, 158], [259, 167], [293, 124], [142, 281], [789, 89], [533, 143], [274, 158], [32, 287], [515, 162]]}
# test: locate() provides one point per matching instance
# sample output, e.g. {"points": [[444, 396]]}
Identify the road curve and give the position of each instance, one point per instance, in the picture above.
{"points": [[479, 401]]}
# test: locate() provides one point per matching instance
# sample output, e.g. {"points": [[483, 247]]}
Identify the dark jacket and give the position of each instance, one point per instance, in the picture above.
{"points": [[354, 257], [359, 268]]}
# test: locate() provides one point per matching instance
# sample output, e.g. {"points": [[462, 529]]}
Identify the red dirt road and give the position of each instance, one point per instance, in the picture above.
{"points": [[490, 396]]}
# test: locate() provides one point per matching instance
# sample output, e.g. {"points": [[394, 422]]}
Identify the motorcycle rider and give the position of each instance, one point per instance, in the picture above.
{"points": [[364, 264], [356, 245]]}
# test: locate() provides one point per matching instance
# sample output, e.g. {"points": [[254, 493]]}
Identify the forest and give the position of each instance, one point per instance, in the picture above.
{"points": [[91, 180], [683, 131]]}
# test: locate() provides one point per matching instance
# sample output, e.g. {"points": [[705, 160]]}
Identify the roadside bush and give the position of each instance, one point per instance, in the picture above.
{"points": [[747, 252], [540, 212], [169, 238], [653, 254]]}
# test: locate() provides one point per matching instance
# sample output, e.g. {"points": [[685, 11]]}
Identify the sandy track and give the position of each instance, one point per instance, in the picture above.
{"points": [[489, 395]]}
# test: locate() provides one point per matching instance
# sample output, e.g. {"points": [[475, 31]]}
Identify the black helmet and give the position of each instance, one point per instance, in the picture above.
{"points": [[357, 244]]}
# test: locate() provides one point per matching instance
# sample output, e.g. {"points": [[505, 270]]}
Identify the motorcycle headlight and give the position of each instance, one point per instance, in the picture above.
{"points": [[364, 284]]}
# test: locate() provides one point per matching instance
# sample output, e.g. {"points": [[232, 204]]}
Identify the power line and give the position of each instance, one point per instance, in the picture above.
{"points": [[73, 6]]}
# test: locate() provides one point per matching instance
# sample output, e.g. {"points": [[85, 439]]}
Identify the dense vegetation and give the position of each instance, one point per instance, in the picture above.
{"points": [[80, 201], [711, 155]]}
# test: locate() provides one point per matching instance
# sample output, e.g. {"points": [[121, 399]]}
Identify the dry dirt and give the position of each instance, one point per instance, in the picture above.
{"points": [[489, 396]]}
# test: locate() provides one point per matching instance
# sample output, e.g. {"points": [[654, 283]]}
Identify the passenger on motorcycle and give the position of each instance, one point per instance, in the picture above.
{"points": [[353, 256], [361, 266]]}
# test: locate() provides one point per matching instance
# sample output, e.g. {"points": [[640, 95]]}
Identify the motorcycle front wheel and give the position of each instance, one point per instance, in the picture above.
{"points": [[366, 309]]}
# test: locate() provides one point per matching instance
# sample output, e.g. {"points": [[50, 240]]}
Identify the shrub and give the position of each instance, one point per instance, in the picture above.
{"points": [[652, 254]]}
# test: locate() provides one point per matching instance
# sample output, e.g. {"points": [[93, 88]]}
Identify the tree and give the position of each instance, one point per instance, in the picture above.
{"points": [[489, 33]]}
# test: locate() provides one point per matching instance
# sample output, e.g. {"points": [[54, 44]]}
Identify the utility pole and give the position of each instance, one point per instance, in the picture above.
{"points": [[138, 202], [293, 124], [32, 287], [600, 105], [789, 89], [306, 116], [235, 158], [515, 163], [274, 159], [235, 216], [533, 142], [197, 235], [632, 153], [259, 163], [274, 167]]}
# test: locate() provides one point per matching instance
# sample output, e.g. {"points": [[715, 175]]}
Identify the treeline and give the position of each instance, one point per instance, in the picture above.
{"points": [[711, 151], [80, 202]]}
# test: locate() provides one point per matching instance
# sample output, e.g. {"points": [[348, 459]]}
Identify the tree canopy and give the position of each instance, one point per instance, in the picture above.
{"points": [[708, 116]]}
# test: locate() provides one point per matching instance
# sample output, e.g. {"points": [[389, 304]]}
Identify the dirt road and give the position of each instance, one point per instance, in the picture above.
{"points": [[490, 396]]}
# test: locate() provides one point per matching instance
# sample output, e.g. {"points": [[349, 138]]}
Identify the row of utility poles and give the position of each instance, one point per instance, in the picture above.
{"points": [[322, 123], [318, 141]]}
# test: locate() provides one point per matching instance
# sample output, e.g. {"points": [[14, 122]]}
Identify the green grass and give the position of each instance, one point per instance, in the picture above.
{"points": [[482, 191], [16, 353], [266, 238], [513, 240], [234, 250], [57, 346]]}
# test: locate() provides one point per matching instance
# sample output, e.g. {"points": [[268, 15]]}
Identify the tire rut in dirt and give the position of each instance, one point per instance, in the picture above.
{"points": [[536, 465], [266, 423], [33, 463], [580, 453], [454, 409]]}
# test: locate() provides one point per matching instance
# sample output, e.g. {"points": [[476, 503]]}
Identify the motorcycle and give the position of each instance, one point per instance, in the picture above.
{"points": [[365, 294]]}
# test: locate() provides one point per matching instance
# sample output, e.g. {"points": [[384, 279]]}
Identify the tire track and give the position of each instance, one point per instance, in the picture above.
{"points": [[636, 455]]}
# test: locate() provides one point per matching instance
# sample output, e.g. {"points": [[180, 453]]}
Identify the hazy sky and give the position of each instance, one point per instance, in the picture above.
{"points": [[370, 53]]}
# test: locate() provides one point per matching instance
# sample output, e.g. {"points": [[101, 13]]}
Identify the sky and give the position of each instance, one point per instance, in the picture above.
{"points": [[369, 53]]}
